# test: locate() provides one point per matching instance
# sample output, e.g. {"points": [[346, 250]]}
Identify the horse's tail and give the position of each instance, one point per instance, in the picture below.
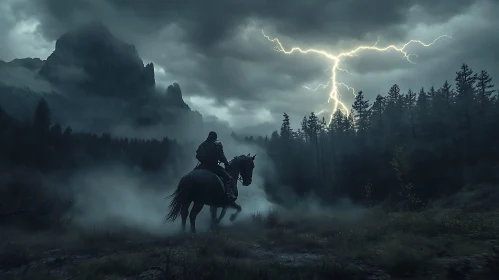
{"points": [[178, 199]]}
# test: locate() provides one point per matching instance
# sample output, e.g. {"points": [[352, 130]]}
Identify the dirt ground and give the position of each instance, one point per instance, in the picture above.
{"points": [[451, 241]]}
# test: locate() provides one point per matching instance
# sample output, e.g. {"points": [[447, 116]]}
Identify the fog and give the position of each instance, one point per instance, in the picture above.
{"points": [[24, 78], [116, 197]]}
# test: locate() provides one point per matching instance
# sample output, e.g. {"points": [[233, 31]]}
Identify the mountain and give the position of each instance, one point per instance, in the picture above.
{"points": [[93, 81], [93, 60]]}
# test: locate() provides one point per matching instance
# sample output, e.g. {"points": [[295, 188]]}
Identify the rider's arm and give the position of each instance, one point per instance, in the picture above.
{"points": [[222, 157]]}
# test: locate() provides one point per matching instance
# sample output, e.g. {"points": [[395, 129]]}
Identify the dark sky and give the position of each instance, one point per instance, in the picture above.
{"points": [[216, 52]]}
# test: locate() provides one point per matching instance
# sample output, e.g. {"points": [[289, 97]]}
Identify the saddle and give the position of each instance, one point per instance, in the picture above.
{"points": [[225, 182]]}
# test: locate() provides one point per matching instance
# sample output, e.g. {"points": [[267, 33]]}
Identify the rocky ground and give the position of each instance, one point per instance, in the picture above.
{"points": [[453, 240]]}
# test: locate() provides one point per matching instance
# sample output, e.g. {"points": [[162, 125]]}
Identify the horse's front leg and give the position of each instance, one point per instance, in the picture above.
{"points": [[238, 210], [222, 214]]}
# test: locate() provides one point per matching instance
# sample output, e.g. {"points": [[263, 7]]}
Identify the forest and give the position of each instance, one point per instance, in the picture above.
{"points": [[33, 150], [403, 149]]}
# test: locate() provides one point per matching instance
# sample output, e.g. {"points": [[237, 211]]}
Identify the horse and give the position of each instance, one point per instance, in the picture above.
{"points": [[203, 187]]}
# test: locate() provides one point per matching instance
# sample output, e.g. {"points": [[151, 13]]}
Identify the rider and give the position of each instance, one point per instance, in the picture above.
{"points": [[209, 153]]}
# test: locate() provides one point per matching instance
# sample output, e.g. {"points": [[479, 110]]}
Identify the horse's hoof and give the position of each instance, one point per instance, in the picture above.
{"points": [[232, 218]]}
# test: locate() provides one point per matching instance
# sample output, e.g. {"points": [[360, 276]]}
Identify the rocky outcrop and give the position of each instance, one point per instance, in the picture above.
{"points": [[174, 97], [93, 60], [164, 108], [33, 64]]}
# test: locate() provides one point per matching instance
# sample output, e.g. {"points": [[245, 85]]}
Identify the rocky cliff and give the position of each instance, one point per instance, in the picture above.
{"points": [[94, 81], [93, 60]]}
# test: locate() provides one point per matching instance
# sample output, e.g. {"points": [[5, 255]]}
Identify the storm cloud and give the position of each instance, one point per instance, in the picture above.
{"points": [[216, 52]]}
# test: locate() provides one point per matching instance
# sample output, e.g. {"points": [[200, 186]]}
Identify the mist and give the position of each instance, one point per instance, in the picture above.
{"points": [[24, 78], [117, 197]]}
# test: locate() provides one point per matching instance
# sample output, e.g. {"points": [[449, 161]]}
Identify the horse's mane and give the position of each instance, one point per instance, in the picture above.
{"points": [[238, 159]]}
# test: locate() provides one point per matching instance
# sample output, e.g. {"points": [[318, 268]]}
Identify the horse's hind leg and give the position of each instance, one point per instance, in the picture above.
{"points": [[238, 210], [184, 212], [194, 212], [213, 211]]}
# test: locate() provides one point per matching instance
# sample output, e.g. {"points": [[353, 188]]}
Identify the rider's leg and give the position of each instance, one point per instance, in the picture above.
{"points": [[220, 171]]}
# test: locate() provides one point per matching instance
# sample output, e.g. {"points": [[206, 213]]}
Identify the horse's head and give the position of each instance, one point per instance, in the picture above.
{"points": [[245, 165]]}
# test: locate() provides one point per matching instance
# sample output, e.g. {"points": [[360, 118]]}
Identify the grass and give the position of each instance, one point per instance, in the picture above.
{"points": [[227, 269], [434, 244], [30, 275], [120, 265], [402, 244], [13, 255]]}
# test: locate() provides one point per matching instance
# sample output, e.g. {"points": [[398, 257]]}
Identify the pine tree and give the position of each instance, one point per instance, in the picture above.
{"points": [[448, 94], [42, 119], [304, 129], [313, 125], [323, 132], [273, 145], [299, 134], [360, 109], [337, 123], [323, 125], [484, 90], [422, 109], [410, 99], [439, 106], [465, 94], [431, 94], [349, 123], [377, 112], [410, 104], [286, 131], [422, 104], [465, 85], [394, 110], [393, 95]]}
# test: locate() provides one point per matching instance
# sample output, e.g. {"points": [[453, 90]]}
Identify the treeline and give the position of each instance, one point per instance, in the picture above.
{"points": [[39, 144], [33, 152], [405, 147]]}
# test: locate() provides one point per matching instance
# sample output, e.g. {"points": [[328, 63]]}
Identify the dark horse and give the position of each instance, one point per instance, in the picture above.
{"points": [[205, 188]]}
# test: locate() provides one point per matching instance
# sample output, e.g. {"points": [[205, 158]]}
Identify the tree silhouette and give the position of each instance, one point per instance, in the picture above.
{"points": [[434, 136], [42, 118], [360, 108]]}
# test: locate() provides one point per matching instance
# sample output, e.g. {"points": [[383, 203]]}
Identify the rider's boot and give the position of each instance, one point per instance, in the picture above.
{"points": [[229, 191]]}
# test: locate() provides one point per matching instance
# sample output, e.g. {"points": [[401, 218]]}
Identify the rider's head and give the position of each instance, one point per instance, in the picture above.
{"points": [[212, 136]]}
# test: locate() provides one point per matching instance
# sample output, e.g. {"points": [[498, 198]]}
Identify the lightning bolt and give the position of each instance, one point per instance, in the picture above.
{"points": [[344, 70], [334, 93], [319, 86]]}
